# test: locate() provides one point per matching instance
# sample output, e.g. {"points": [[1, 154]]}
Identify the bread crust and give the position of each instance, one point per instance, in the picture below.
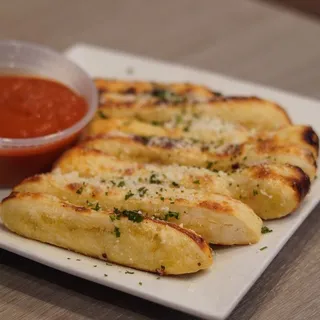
{"points": [[271, 190], [151, 245], [217, 218]]}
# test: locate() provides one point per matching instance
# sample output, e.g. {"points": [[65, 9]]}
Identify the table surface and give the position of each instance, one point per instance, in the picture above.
{"points": [[252, 40]]}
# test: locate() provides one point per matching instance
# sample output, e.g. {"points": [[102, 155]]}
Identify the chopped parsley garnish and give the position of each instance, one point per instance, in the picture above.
{"points": [[102, 180], [174, 184], [209, 165], [121, 184], [114, 217], [142, 191], [171, 214], [156, 123], [140, 283], [162, 198], [265, 229], [128, 195], [129, 272], [80, 190], [186, 128], [263, 248], [113, 183], [106, 193], [255, 192], [105, 275], [117, 232], [196, 181], [94, 206], [167, 96], [153, 179], [102, 115], [97, 207], [132, 215]]}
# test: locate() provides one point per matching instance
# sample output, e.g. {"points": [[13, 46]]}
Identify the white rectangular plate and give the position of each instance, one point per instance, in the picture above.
{"points": [[212, 294]]}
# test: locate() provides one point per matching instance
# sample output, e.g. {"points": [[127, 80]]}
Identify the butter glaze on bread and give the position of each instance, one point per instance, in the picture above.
{"points": [[164, 150], [271, 190], [251, 112], [149, 245], [208, 130], [217, 218], [114, 91]]}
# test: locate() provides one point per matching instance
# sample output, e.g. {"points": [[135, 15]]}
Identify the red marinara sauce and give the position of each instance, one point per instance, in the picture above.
{"points": [[33, 107], [36, 107]]}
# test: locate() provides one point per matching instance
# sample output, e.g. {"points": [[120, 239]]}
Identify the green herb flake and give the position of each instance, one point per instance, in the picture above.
{"points": [[142, 191], [94, 206], [209, 165], [121, 184], [80, 190], [106, 193], [153, 179], [140, 283], [255, 192], [265, 229], [105, 275], [129, 272], [128, 195], [175, 184], [196, 181], [186, 129], [102, 115], [97, 207], [171, 214], [113, 183], [117, 232], [162, 198], [132, 215], [263, 248], [156, 123]]}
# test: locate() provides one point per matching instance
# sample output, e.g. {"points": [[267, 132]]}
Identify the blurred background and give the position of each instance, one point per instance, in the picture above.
{"points": [[272, 42]]}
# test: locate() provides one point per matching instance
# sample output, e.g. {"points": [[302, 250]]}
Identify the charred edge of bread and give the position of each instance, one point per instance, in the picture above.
{"points": [[201, 243], [311, 138], [299, 180]]}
